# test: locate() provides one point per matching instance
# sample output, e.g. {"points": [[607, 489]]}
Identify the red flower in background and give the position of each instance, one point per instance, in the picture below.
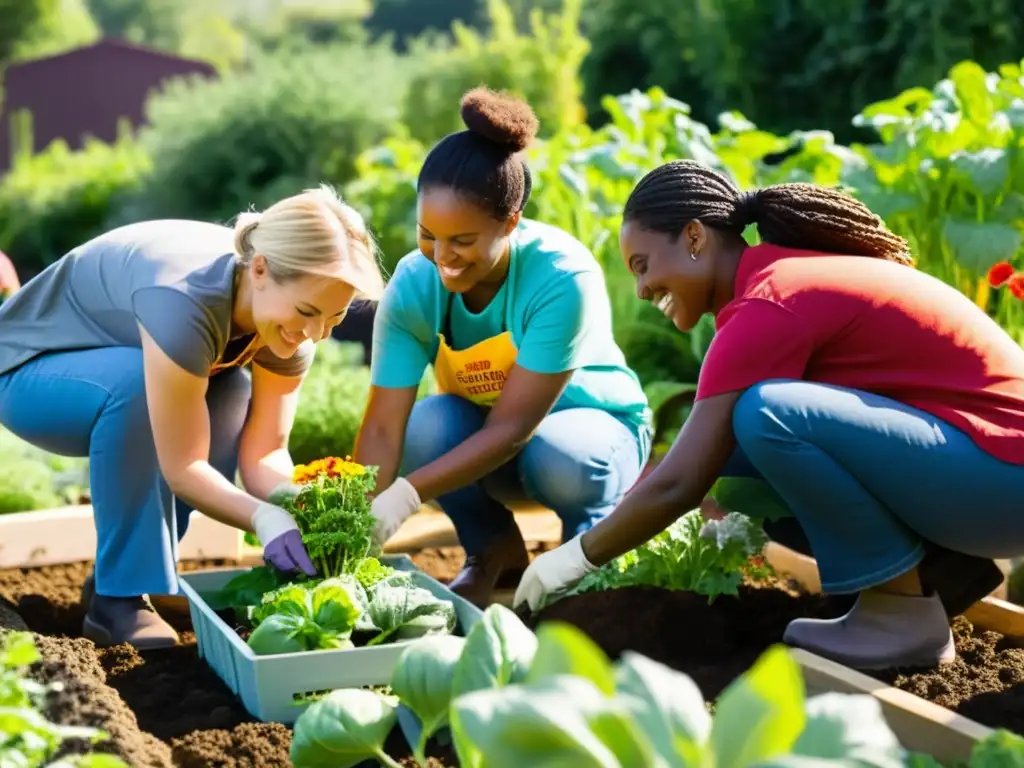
{"points": [[1016, 285], [8, 277], [1000, 273]]}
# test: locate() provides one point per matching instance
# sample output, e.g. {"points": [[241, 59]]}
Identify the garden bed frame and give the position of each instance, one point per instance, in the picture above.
{"points": [[68, 535], [44, 538]]}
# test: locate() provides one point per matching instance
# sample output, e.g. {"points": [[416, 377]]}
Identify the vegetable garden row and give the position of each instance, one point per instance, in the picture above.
{"points": [[668, 656]]}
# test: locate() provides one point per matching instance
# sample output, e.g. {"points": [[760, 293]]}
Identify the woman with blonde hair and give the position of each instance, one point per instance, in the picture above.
{"points": [[131, 350]]}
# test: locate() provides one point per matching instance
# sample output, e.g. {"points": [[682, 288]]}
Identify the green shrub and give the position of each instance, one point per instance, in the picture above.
{"points": [[57, 199], [290, 121], [332, 403], [542, 65]]}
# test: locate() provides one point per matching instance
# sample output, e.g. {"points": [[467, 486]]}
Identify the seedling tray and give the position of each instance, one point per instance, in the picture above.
{"points": [[269, 686]]}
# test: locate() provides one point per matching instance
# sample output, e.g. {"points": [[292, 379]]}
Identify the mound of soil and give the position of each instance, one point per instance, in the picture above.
{"points": [[161, 708], [713, 643], [168, 707]]}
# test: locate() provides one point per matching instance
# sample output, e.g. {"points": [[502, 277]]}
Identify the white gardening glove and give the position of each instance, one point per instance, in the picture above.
{"points": [[284, 493], [392, 508], [552, 573]]}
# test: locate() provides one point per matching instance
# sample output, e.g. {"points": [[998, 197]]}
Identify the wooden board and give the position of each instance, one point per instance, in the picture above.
{"points": [[920, 725], [68, 535]]}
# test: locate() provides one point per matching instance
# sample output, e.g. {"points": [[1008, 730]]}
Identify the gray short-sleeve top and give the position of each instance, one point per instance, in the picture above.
{"points": [[174, 277]]}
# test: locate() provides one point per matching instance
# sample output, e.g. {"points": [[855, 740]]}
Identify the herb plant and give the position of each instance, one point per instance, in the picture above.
{"points": [[710, 558]]}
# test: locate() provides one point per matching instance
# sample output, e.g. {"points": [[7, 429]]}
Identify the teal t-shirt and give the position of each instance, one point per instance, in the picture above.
{"points": [[555, 304]]}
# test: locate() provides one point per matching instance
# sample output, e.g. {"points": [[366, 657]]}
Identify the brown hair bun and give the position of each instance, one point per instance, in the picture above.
{"points": [[499, 117]]}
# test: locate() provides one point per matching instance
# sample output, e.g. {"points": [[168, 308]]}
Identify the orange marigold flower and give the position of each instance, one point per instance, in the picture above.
{"points": [[330, 466], [1000, 273], [1016, 285]]}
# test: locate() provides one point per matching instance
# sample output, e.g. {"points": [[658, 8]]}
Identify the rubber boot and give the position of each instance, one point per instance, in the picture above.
{"points": [[500, 565], [881, 631], [115, 620], [960, 580]]}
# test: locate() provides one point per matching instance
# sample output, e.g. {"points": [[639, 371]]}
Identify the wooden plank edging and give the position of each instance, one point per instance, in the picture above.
{"points": [[67, 535], [920, 725]]}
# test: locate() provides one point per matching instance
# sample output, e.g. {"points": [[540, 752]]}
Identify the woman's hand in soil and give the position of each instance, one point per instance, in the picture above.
{"points": [[392, 508], [282, 543], [552, 573]]}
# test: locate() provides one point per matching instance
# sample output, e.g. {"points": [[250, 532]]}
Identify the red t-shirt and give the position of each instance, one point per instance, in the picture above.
{"points": [[871, 325]]}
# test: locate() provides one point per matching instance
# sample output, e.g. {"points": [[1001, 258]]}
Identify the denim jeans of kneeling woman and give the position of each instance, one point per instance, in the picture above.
{"points": [[579, 463], [868, 479], [93, 403]]}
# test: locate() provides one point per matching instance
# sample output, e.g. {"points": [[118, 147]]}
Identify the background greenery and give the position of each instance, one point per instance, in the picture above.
{"points": [[916, 108]]}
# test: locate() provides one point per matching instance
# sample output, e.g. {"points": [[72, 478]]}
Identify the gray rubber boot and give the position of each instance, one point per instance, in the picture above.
{"points": [[132, 620], [880, 631]]}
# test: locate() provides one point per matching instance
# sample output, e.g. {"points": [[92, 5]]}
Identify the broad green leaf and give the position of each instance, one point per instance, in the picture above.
{"points": [[280, 633], [342, 729], [19, 650], [499, 650], [751, 496], [661, 393], [977, 246], [335, 606], [972, 91], [667, 706], [761, 714], [849, 727], [422, 679], [562, 649], [562, 720], [986, 169], [1001, 749]]}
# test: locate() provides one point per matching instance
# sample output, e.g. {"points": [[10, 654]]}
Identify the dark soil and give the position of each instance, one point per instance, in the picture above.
{"points": [[713, 644], [167, 707], [161, 708]]}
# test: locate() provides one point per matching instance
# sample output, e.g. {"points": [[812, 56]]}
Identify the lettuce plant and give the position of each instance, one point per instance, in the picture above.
{"points": [[709, 558], [323, 615]]}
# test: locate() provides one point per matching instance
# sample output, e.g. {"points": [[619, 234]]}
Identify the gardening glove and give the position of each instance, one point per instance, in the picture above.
{"points": [[284, 493], [392, 508], [552, 573], [281, 540]]}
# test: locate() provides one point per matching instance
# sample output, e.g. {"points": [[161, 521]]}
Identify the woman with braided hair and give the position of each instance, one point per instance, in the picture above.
{"points": [[535, 401], [882, 406]]}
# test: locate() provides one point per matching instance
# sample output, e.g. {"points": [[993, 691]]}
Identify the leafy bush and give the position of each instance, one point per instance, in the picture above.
{"points": [[542, 65], [736, 54], [57, 199], [332, 403], [291, 120]]}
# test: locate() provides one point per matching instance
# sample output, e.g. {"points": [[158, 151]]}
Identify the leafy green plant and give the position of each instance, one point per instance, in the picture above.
{"points": [[299, 617], [348, 726], [710, 558], [556, 698], [27, 738]]}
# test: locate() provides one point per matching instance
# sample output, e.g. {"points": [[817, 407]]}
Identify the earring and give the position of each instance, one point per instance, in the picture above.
{"points": [[693, 255]]}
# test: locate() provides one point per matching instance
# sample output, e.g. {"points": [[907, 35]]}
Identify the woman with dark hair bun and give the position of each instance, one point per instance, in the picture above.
{"points": [[535, 399]]}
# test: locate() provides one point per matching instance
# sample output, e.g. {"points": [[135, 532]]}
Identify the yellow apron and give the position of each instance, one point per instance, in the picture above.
{"points": [[477, 373]]}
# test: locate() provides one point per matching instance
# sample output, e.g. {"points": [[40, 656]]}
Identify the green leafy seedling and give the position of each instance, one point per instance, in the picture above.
{"points": [[343, 729]]}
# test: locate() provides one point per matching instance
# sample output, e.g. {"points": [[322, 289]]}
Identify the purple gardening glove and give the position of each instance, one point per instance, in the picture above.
{"points": [[281, 540], [286, 553]]}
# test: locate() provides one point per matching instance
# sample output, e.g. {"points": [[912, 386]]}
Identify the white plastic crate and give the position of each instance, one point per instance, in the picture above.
{"points": [[268, 685]]}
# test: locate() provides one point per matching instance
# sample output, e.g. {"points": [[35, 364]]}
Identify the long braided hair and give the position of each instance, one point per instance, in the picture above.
{"points": [[797, 215]]}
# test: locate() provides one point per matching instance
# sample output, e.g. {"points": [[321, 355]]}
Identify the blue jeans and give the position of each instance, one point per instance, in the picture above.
{"points": [[93, 403], [868, 478], [579, 463]]}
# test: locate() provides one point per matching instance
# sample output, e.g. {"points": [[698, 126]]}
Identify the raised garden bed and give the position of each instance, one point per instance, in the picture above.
{"points": [[68, 534], [174, 697]]}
